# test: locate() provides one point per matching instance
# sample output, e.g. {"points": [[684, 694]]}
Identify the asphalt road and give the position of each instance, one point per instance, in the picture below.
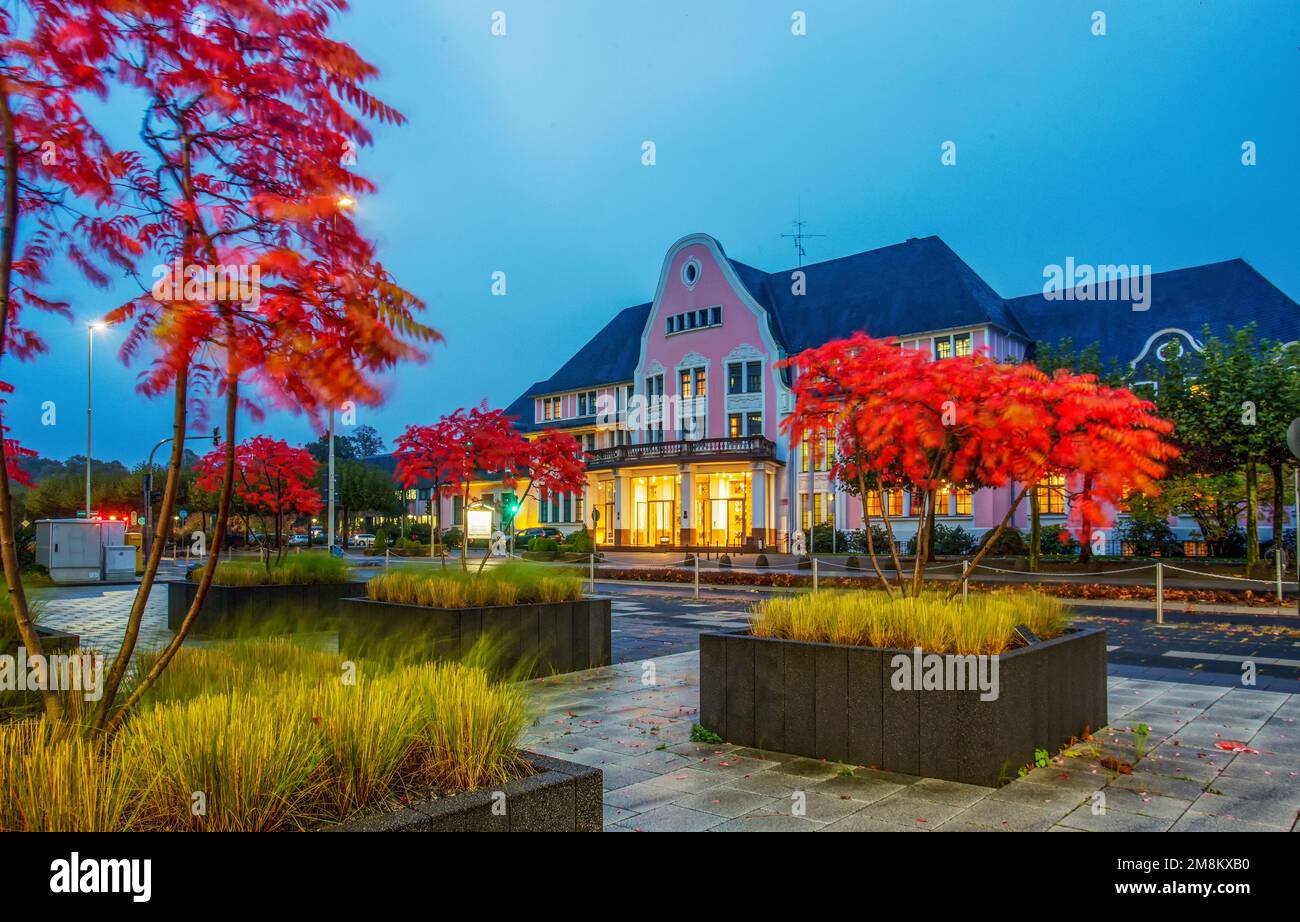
{"points": [[652, 621]]}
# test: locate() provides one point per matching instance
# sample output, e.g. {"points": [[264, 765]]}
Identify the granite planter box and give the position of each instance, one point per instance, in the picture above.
{"points": [[52, 639], [543, 638], [836, 702], [311, 607], [561, 797]]}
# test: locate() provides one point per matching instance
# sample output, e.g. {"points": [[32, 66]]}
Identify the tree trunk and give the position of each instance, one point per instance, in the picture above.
{"points": [[162, 529], [210, 567], [997, 532], [464, 530], [1085, 550], [1252, 513], [8, 547], [1278, 470], [1035, 531]]}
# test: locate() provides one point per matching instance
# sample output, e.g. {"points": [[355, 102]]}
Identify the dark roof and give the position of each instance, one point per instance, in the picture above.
{"points": [[1219, 295], [910, 287], [609, 356], [922, 285]]}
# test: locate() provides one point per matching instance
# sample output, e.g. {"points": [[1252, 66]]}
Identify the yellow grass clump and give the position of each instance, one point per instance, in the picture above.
{"points": [[265, 735], [983, 625], [508, 584]]}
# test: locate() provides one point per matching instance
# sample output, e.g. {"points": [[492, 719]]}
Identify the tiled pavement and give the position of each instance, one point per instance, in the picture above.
{"points": [[99, 613], [639, 735], [635, 726]]}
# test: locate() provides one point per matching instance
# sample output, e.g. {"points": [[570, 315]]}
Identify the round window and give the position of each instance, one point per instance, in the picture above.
{"points": [[690, 272]]}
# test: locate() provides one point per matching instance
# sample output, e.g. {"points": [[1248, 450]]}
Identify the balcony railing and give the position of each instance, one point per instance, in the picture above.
{"points": [[748, 448]]}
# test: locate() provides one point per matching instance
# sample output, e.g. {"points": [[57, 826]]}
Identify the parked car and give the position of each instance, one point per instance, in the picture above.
{"points": [[299, 541], [366, 540], [541, 531]]}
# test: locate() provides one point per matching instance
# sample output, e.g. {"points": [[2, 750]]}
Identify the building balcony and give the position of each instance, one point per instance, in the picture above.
{"points": [[696, 451]]}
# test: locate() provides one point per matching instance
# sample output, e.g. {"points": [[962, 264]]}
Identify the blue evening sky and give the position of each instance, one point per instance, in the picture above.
{"points": [[523, 154]]}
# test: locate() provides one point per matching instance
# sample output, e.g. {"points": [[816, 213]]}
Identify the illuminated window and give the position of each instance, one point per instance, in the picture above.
{"points": [[963, 501], [1050, 493], [733, 426], [943, 347], [961, 344], [895, 503], [1196, 549]]}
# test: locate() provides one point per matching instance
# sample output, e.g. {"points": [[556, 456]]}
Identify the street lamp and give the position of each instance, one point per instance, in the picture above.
{"points": [[90, 367], [343, 203]]}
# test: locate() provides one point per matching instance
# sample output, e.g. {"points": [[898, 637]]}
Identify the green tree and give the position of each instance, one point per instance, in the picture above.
{"points": [[1231, 406]]}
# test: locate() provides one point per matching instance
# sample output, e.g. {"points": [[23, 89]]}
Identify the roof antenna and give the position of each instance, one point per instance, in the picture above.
{"points": [[799, 236]]}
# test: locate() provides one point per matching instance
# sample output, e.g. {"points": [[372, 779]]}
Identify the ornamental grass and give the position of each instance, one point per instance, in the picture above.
{"points": [[508, 584], [262, 735], [985, 624], [308, 569]]}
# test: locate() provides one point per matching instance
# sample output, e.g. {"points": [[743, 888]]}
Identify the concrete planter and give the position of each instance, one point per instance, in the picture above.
{"points": [[836, 702], [53, 640], [561, 797], [546, 638], [226, 608]]}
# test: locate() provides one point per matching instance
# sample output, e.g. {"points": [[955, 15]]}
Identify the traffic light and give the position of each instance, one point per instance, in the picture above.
{"points": [[509, 507], [216, 437]]}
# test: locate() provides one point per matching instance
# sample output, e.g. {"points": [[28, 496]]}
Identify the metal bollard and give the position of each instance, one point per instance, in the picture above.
{"points": [[1160, 593], [593, 572], [696, 558], [385, 560], [1277, 565], [965, 582], [814, 574]]}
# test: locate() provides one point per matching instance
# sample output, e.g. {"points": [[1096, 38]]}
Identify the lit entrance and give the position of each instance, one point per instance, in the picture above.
{"points": [[654, 521], [723, 509]]}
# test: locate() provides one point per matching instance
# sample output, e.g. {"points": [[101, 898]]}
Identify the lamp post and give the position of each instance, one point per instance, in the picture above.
{"points": [[344, 203], [90, 368]]}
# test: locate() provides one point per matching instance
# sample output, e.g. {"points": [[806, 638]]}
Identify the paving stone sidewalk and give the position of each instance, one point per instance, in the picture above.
{"points": [[638, 734]]}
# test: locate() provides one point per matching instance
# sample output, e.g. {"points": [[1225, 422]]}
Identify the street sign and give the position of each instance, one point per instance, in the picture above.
{"points": [[184, 514], [139, 520], [1293, 437]]}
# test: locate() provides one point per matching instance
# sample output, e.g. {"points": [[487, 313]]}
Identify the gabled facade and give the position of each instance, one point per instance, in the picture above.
{"points": [[679, 402]]}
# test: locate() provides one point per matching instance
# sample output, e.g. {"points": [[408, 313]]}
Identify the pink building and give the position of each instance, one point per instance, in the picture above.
{"points": [[679, 401]]}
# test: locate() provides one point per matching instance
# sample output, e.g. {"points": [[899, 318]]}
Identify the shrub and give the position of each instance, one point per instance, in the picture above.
{"points": [[1149, 538], [543, 545], [452, 536], [580, 542], [1011, 543], [293, 569], [856, 540], [381, 539], [1056, 541], [951, 540], [985, 624], [822, 542]]}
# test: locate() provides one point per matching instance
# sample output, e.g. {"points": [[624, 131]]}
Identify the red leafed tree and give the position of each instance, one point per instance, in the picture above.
{"points": [[479, 443], [272, 480], [423, 454], [901, 421], [58, 177], [253, 114], [554, 462]]}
